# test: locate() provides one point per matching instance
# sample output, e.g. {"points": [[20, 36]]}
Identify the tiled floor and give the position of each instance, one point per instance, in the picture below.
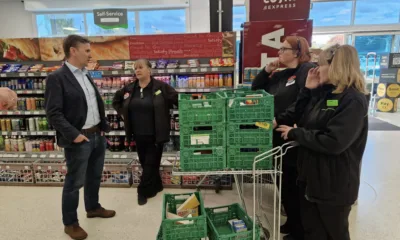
{"points": [[33, 213]]}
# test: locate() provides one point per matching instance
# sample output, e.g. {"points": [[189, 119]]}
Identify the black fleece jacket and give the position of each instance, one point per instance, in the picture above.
{"points": [[332, 133]]}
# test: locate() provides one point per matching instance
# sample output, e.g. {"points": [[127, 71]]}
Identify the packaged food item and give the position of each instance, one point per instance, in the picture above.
{"points": [[93, 65], [129, 65], [153, 64], [104, 68], [12, 68], [3, 66], [193, 63], [215, 62], [118, 65], [24, 68], [173, 64], [228, 62], [161, 64], [36, 68]]}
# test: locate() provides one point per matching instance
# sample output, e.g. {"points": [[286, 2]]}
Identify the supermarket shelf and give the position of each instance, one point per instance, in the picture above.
{"points": [[53, 133], [22, 113], [29, 91], [113, 112], [29, 133], [122, 133], [130, 72], [197, 90], [26, 74], [60, 155]]}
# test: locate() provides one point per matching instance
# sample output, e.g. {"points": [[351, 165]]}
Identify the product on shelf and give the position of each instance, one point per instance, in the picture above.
{"points": [[130, 65], [36, 68], [222, 62], [11, 68], [161, 64], [204, 81], [113, 82], [193, 63], [50, 69], [118, 65], [24, 68], [29, 104], [24, 84], [22, 144], [153, 64], [27, 124], [3, 66], [173, 64]]}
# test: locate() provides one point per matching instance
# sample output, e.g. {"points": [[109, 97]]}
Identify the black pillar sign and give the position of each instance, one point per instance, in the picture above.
{"points": [[111, 18]]}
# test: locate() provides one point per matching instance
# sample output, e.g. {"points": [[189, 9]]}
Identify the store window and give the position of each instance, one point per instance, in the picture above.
{"points": [[239, 17], [379, 44], [162, 21], [94, 30], [377, 12], [331, 13], [326, 40], [59, 24]]}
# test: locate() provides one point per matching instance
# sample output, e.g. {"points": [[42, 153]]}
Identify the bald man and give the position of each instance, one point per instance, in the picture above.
{"points": [[8, 99]]}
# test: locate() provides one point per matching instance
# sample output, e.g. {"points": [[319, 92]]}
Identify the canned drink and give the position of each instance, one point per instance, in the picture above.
{"points": [[3, 125], [40, 84], [22, 125], [8, 125], [28, 104], [42, 103], [31, 124], [37, 124], [33, 103], [15, 124], [37, 103]]}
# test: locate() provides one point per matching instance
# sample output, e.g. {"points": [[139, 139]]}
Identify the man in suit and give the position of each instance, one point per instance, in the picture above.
{"points": [[75, 109]]}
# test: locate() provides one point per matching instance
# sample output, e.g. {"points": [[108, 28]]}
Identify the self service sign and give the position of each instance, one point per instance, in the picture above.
{"points": [[111, 18]]}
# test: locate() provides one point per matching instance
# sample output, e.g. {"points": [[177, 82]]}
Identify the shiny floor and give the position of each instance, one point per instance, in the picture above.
{"points": [[33, 213]]}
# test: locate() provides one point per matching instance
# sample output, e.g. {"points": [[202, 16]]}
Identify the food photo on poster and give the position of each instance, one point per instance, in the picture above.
{"points": [[19, 49]]}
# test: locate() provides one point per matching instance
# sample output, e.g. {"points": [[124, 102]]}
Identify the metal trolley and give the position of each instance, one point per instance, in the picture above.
{"points": [[260, 204]]}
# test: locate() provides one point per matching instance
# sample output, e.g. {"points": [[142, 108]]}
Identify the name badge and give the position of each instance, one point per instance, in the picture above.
{"points": [[332, 103], [126, 95], [158, 92]]}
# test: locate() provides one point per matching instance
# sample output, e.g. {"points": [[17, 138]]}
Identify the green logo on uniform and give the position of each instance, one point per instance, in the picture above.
{"points": [[332, 103]]}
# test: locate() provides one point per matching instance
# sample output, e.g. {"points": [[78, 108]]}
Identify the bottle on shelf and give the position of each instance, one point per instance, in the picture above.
{"points": [[132, 146], [2, 143], [7, 144], [126, 145]]}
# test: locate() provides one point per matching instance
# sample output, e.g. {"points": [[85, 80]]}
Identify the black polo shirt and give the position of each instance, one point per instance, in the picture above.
{"points": [[141, 111]]}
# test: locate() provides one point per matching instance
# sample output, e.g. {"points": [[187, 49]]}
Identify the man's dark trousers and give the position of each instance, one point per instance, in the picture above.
{"points": [[85, 163]]}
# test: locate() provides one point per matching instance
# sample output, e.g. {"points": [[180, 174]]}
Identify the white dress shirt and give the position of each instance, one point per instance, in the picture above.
{"points": [[93, 115]]}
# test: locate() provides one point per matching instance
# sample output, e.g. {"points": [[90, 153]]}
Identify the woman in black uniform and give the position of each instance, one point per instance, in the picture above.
{"points": [[145, 107], [285, 86], [332, 117]]}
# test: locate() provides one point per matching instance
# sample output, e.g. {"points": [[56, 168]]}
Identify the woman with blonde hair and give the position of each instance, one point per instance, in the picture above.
{"points": [[331, 114]]}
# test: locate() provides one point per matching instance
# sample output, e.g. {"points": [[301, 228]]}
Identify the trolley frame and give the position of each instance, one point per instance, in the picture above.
{"points": [[276, 173]]}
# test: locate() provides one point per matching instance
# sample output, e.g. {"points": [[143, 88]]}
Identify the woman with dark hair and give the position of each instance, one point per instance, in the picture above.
{"points": [[332, 117], [145, 107], [285, 85]]}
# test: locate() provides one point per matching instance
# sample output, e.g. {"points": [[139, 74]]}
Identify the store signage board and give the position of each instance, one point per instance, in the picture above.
{"points": [[96, 74], [194, 45], [271, 10], [262, 40], [394, 60], [384, 61], [391, 75], [111, 18]]}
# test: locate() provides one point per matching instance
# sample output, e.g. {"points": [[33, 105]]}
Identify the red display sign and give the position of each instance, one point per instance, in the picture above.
{"points": [[262, 40], [269, 10], [201, 45]]}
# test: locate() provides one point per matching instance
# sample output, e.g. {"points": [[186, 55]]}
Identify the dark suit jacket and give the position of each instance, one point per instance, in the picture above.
{"points": [[163, 102], [66, 106]]}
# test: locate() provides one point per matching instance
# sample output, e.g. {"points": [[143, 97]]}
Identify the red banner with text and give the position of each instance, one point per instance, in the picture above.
{"points": [[262, 40], [270, 10], [201, 45]]}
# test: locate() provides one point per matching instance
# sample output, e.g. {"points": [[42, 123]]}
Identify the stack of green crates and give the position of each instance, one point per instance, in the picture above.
{"points": [[250, 117], [202, 131]]}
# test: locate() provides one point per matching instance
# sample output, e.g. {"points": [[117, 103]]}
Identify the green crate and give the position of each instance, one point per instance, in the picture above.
{"points": [[171, 230], [242, 134], [242, 157], [202, 136], [202, 111], [203, 159], [220, 229], [249, 109]]}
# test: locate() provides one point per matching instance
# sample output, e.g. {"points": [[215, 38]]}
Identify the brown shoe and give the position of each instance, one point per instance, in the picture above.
{"points": [[75, 232], [101, 213]]}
